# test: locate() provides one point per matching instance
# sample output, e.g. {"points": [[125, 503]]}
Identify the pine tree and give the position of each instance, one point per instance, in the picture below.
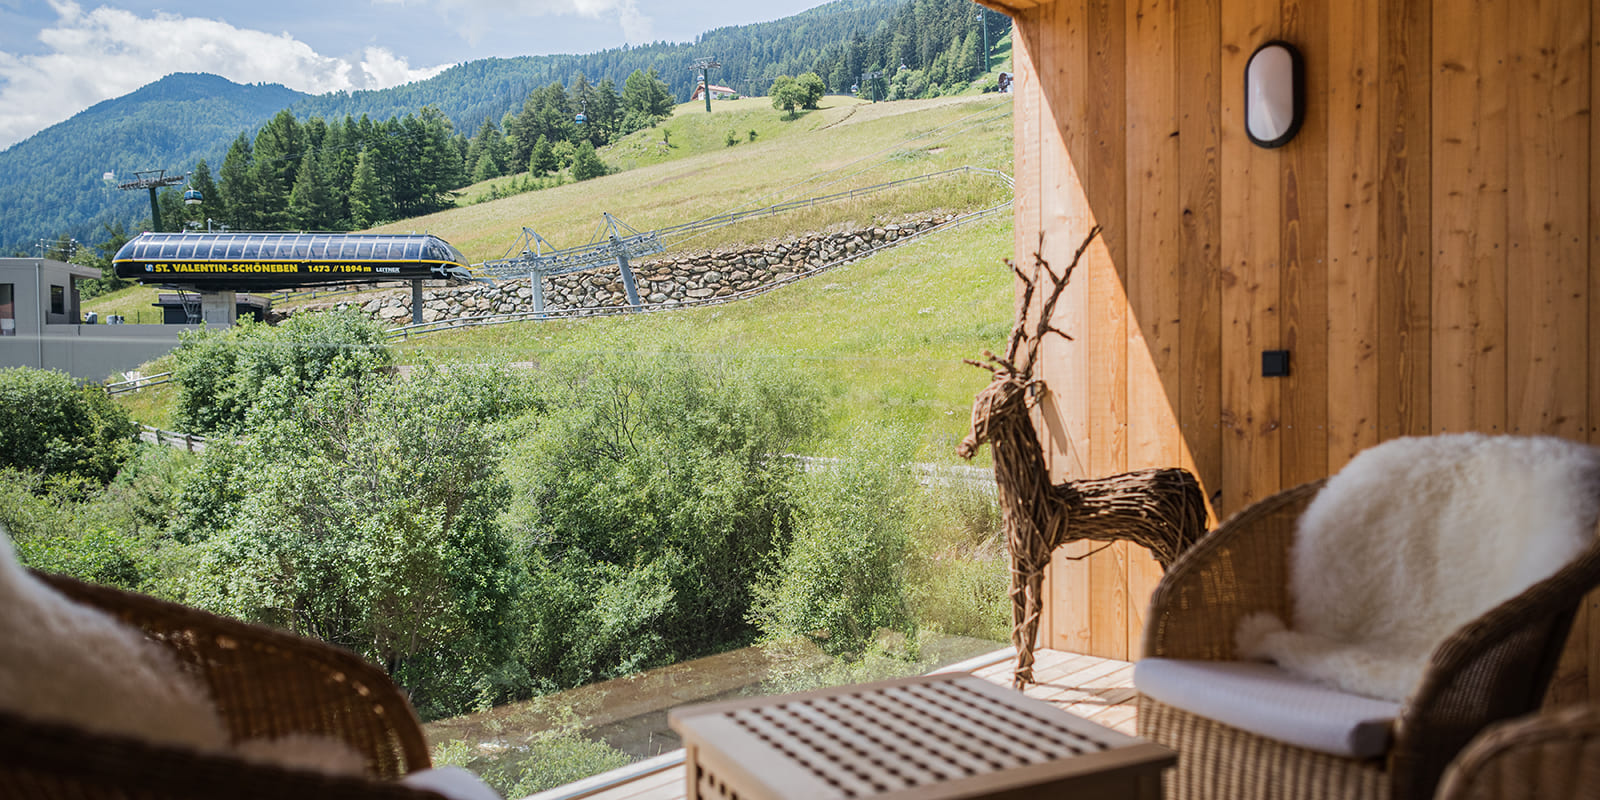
{"points": [[311, 201], [367, 200], [238, 187], [586, 164], [211, 205], [543, 160], [278, 147]]}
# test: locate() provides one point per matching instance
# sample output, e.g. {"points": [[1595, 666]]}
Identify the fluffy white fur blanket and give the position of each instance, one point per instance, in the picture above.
{"points": [[1413, 539], [66, 662]]}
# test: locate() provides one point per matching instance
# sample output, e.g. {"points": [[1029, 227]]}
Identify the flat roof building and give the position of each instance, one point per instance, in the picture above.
{"points": [[41, 324]]}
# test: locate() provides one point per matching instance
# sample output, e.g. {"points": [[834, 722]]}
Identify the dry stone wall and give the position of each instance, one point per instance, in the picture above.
{"points": [[664, 281]]}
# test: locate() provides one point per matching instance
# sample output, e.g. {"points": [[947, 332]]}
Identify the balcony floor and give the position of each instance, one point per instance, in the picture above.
{"points": [[1099, 689]]}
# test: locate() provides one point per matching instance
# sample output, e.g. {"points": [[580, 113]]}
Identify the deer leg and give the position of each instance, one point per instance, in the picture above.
{"points": [[1027, 603]]}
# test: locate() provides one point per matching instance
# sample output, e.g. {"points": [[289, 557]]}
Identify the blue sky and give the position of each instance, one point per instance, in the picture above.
{"points": [[58, 57]]}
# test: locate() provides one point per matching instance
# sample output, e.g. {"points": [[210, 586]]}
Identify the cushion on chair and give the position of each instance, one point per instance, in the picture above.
{"points": [[1413, 539], [1268, 701]]}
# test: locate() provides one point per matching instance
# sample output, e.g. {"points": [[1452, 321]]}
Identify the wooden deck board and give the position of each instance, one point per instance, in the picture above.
{"points": [[1099, 689]]}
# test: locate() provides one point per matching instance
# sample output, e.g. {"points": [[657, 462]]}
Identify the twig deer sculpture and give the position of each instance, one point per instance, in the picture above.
{"points": [[1161, 509]]}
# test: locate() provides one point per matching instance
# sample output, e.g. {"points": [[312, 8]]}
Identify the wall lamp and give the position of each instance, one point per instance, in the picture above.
{"points": [[1274, 94]]}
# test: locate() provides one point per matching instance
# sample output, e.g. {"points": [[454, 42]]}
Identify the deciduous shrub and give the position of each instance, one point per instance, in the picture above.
{"points": [[222, 373], [365, 514], [652, 498], [844, 576], [55, 427]]}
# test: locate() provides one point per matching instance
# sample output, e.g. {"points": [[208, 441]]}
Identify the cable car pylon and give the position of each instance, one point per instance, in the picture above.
{"points": [[533, 257]]}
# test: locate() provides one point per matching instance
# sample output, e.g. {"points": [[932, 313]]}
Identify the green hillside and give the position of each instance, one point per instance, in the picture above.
{"points": [[884, 336], [846, 144], [54, 177]]}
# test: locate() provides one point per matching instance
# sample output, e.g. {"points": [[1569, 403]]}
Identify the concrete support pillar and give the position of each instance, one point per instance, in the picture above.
{"points": [[416, 302], [219, 309]]}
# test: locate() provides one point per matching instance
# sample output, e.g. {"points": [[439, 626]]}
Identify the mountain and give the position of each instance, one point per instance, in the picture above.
{"points": [[52, 181]]}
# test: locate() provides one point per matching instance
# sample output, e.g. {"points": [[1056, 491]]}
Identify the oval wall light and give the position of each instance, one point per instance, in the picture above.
{"points": [[1274, 94]]}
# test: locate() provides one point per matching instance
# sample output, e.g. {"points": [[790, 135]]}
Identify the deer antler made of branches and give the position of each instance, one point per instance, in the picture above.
{"points": [[1020, 334]]}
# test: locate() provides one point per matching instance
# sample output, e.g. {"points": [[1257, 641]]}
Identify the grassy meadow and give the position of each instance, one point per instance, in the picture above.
{"points": [[883, 338]]}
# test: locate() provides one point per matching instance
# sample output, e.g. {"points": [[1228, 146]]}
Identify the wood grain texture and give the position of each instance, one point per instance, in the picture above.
{"points": [[1303, 290], [1154, 215], [1107, 334], [1065, 218], [1199, 158], [1591, 628], [1353, 166], [1030, 194], [1546, 319], [1404, 218], [1470, 151], [1251, 264], [1546, 305]]}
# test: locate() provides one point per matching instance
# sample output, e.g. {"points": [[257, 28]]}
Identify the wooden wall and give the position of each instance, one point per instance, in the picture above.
{"points": [[1424, 248]]}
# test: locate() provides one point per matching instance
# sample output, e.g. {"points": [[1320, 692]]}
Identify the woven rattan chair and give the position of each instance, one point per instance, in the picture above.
{"points": [[1553, 754], [1494, 668], [265, 683]]}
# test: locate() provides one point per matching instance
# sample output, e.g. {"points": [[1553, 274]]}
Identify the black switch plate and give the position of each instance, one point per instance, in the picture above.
{"points": [[1274, 363]]}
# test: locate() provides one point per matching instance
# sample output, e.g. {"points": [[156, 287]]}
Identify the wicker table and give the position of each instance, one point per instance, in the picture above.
{"points": [[934, 736]]}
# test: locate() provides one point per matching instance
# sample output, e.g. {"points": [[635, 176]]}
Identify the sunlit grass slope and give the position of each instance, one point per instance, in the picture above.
{"points": [[694, 174], [136, 304], [882, 338]]}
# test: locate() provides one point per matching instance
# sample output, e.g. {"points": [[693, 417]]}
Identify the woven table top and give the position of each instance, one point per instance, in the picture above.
{"points": [[930, 736]]}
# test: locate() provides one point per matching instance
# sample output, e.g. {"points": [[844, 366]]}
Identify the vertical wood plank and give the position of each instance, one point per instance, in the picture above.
{"points": [[1592, 602], [1352, 229], [1199, 154], [1469, 219], [1546, 310], [1547, 376], [1026, 111], [1304, 288], [1154, 283], [1029, 193], [1404, 218], [1108, 307], [1065, 217], [1251, 236]]}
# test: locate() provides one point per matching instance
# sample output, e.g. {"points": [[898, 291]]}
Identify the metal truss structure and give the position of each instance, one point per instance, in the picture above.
{"points": [[533, 257]]}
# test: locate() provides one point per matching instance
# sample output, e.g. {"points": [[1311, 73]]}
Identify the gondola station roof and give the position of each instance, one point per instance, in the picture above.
{"points": [[256, 261]]}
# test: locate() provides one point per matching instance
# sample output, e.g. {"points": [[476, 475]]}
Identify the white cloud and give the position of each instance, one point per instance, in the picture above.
{"points": [[104, 53], [475, 18]]}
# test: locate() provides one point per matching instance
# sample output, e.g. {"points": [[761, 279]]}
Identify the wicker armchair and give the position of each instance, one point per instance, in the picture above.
{"points": [[265, 683], [1553, 754], [1496, 667]]}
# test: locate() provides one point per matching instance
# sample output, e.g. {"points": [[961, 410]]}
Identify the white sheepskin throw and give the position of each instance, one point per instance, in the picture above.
{"points": [[1413, 539], [69, 663]]}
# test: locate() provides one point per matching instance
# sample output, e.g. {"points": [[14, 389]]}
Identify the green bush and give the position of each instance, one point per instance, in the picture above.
{"points": [[844, 576], [586, 164], [364, 514], [959, 571], [111, 535], [547, 760], [650, 502], [55, 427], [221, 374]]}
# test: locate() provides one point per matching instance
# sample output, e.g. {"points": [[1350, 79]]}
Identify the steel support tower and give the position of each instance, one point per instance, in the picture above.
{"points": [[704, 67], [153, 179]]}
